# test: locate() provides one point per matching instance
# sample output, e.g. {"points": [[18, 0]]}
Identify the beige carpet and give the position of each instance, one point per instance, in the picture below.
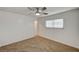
{"points": [[37, 44]]}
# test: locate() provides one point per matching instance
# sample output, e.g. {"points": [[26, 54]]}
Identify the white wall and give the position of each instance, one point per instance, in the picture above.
{"points": [[15, 27], [69, 35]]}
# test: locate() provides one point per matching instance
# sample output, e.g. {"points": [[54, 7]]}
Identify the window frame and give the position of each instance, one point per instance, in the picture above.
{"points": [[54, 24]]}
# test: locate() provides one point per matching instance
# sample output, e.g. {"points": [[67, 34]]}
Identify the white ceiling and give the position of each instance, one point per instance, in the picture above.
{"points": [[26, 11]]}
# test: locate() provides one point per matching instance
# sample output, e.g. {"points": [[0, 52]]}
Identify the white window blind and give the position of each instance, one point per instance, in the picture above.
{"points": [[57, 23]]}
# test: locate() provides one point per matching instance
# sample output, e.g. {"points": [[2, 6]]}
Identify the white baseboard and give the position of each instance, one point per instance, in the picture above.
{"points": [[7, 43], [59, 41]]}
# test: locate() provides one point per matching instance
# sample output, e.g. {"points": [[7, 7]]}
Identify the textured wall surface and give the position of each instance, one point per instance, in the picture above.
{"points": [[69, 35], [15, 27]]}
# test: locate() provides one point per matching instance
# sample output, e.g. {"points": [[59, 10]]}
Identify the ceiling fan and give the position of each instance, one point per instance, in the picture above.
{"points": [[38, 11]]}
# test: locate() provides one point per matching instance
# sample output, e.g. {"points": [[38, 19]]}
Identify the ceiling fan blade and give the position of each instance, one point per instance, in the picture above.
{"points": [[44, 8], [29, 13], [31, 8], [45, 13]]}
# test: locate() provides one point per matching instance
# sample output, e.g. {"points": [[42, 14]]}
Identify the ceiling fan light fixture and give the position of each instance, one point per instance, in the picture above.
{"points": [[37, 13]]}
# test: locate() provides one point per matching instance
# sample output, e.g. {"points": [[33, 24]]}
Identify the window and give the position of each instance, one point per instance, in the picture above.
{"points": [[57, 23]]}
